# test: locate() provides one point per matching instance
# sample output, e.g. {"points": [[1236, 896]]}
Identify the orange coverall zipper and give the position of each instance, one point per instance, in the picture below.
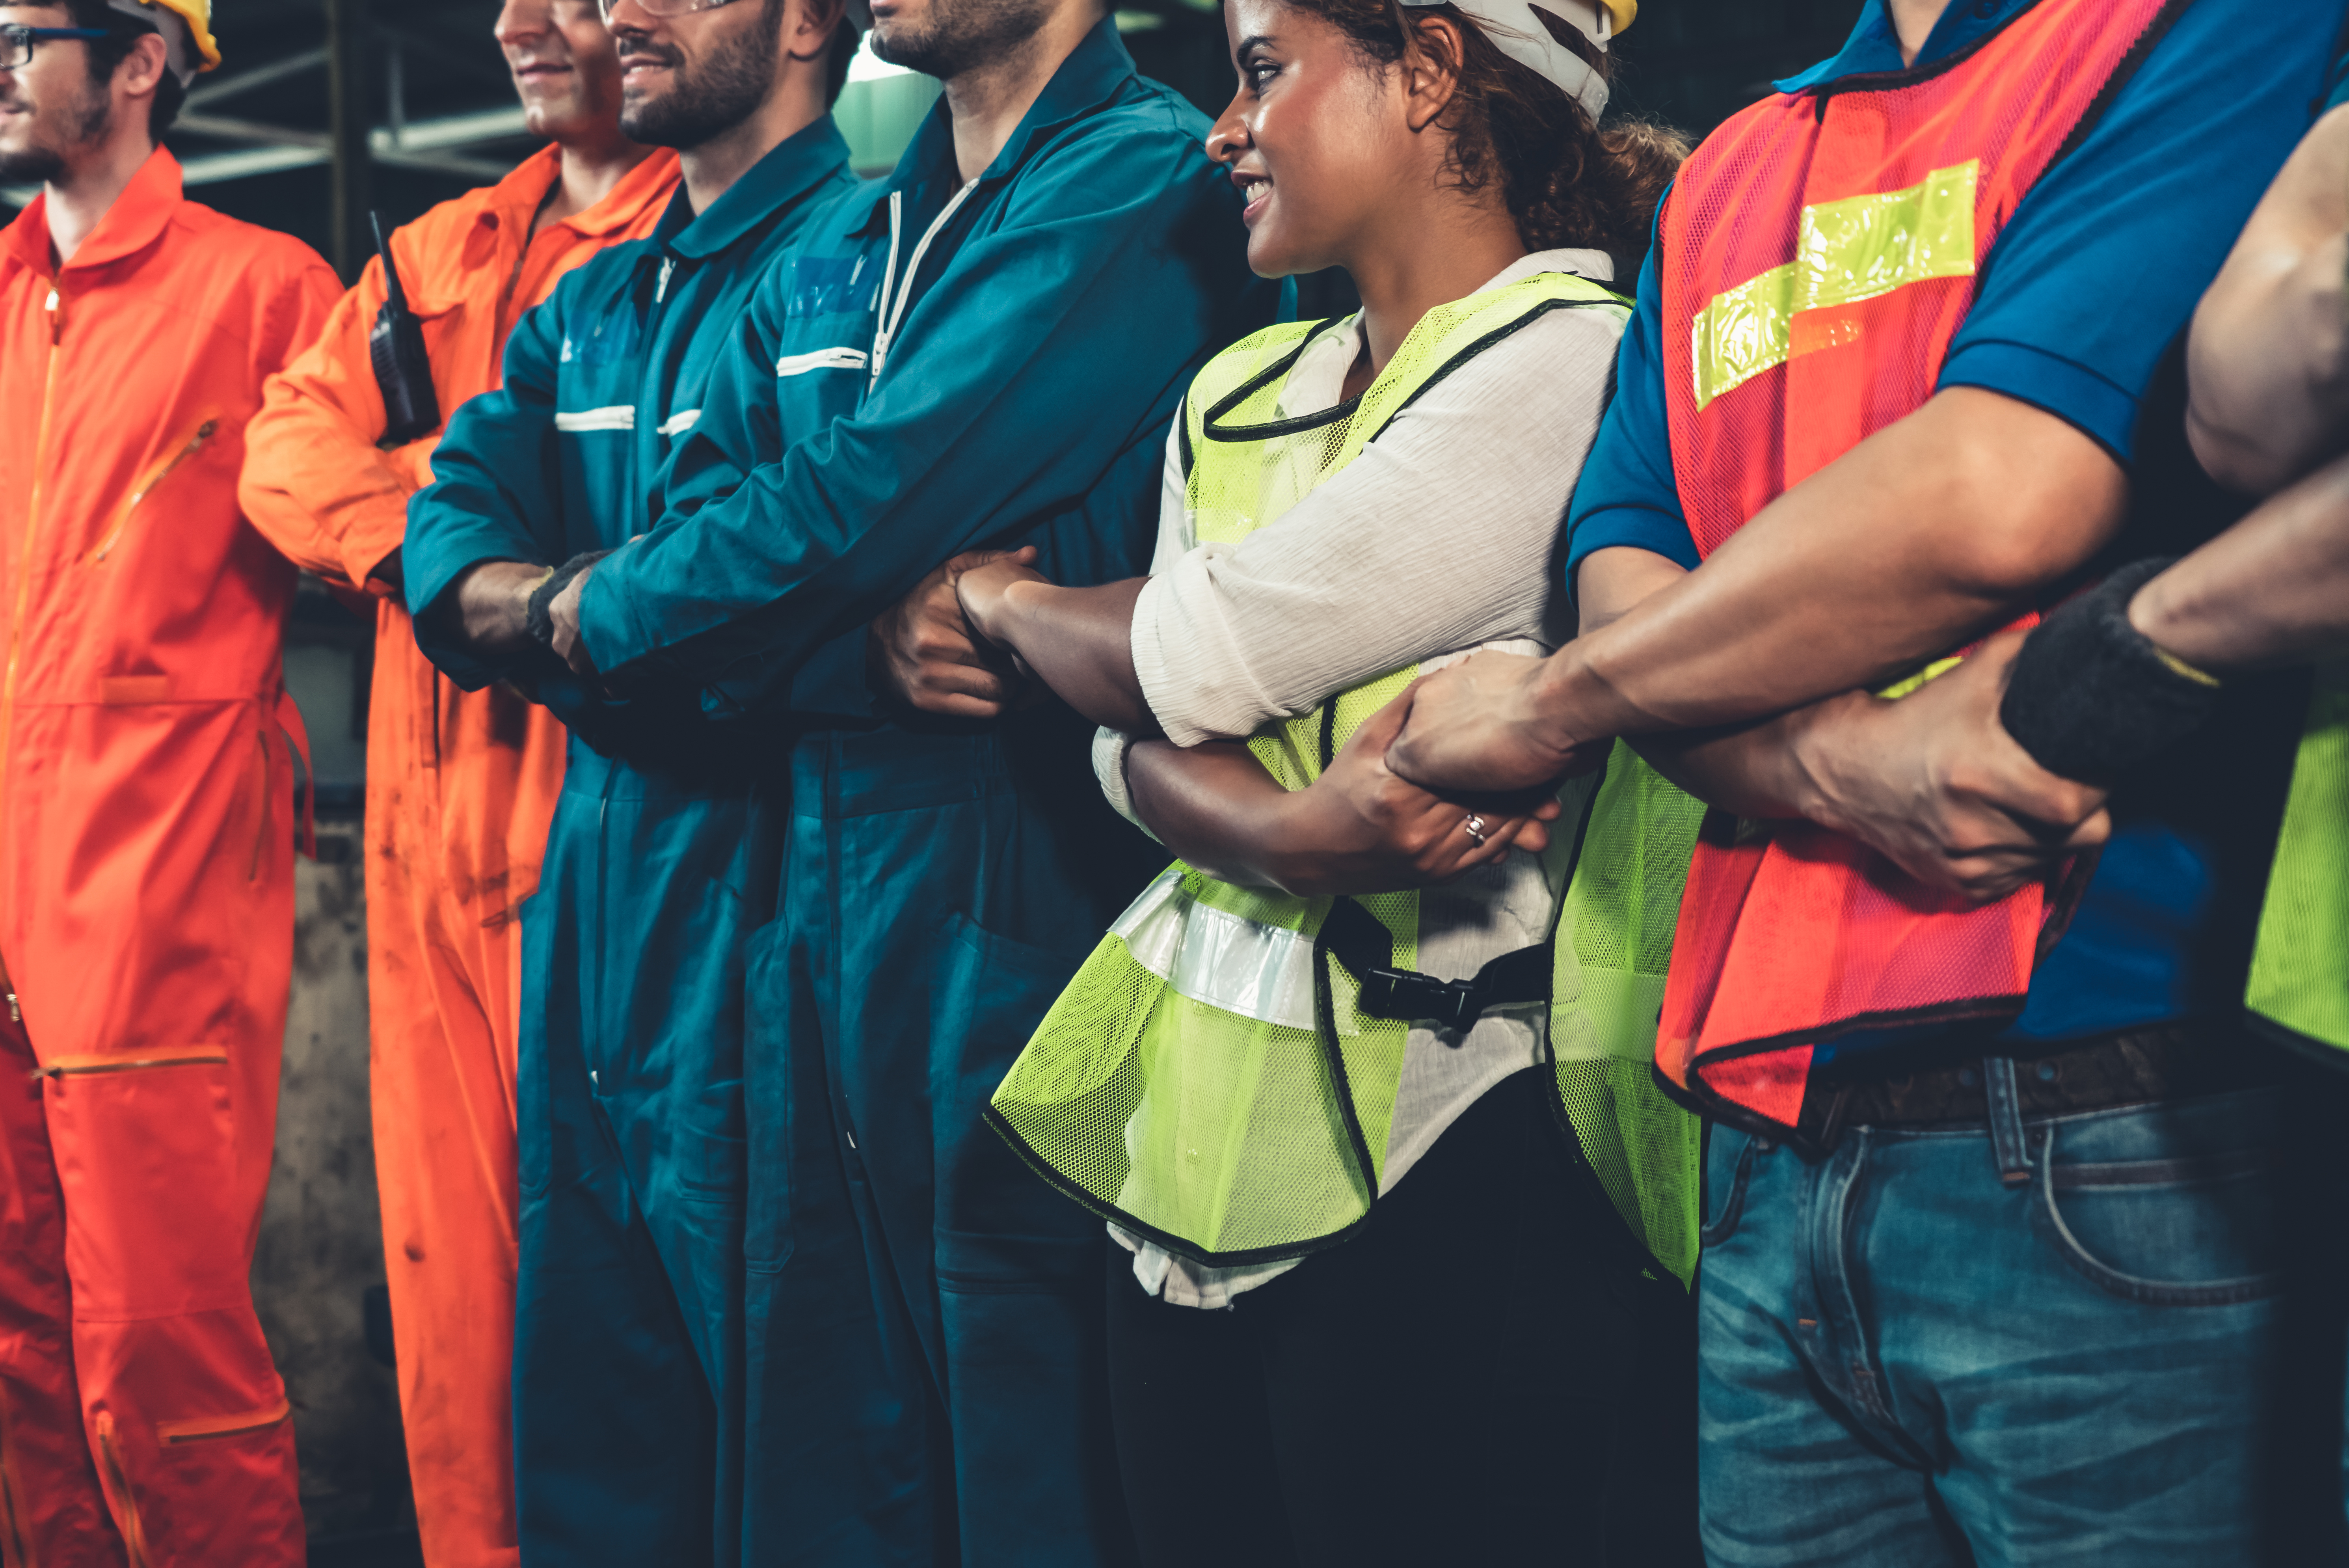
{"points": [[32, 526]]}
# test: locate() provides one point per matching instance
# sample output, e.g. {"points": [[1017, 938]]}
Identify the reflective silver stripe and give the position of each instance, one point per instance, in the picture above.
{"points": [[1213, 956], [821, 359], [618, 417], [676, 423]]}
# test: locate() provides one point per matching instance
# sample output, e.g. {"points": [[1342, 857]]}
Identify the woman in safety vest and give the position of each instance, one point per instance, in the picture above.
{"points": [[1492, 1358]]}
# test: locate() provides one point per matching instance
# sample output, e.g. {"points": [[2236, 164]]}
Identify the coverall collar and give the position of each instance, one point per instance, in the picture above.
{"points": [[1874, 47], [619, 205], [1094, 71], [135, 221], [793, 167]]}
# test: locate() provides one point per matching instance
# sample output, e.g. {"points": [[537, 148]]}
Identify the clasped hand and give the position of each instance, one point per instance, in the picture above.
{"points": [[931, 651], [1363, 828], [1934, 783], [1480, 726], [493, 607]]}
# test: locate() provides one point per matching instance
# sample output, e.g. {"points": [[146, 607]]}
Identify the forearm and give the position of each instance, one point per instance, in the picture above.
{"points": [[316, 484], [312, 486], [487, 606], [2273, 589], [1927, 535], [1752, 771], [1080, 642], [1216, 807], [2268, 358], [2271, 381]]}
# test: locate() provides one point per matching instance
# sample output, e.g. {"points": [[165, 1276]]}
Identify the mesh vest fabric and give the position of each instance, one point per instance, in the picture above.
{"points": [[1819, 253], [1206, 1080], [2299, 968]]}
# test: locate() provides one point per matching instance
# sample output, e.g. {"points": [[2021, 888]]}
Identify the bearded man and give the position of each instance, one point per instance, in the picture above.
{"points": [[983, 350], [146, 831], [461, 784], [630, 1412]]}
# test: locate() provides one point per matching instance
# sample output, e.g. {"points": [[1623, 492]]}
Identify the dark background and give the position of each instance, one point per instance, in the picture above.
{"points": [[415, 67]]}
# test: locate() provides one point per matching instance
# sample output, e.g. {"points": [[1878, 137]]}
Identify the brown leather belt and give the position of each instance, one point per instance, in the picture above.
{"points": [[2166, 1062]]}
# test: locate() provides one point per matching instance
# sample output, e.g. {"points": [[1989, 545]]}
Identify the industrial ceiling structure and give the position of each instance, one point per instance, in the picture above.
{"points": [[323, 109]]}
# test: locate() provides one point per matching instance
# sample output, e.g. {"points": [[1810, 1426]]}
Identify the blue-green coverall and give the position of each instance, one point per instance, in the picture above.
{"points": [[889, 403], [632, 1385]]}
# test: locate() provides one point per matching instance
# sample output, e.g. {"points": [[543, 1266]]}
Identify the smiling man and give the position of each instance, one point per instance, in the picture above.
{"points": [[985, 349], [461, 784], [146, 839], [631, 1405]]}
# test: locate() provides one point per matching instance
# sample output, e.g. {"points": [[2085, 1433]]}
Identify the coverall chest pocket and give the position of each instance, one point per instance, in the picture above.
{"points": [[179, 455]]}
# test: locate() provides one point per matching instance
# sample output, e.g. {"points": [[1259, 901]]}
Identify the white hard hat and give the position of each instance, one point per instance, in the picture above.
{"points": [[1520, 33]]}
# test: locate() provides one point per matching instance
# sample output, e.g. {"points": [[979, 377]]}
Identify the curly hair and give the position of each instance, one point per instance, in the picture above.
{"points": [[1566, 181]]}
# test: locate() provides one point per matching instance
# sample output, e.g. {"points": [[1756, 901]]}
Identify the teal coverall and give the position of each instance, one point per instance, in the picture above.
{"points": [[940, 367], [635, 1390]]}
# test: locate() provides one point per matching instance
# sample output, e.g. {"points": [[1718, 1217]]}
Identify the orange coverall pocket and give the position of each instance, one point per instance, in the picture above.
{"points": [[146, 1155], [177, 453]]}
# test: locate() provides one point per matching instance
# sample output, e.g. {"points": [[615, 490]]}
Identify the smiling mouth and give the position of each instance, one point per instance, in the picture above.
{"points": [[1254, 188]]}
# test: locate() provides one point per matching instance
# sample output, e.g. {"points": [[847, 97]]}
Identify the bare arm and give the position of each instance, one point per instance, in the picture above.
{"points": [[1079, 641], [490, 604], [2273, 589], [1923, 536], [1932, 781], [2268, 358], [1357, 829]]}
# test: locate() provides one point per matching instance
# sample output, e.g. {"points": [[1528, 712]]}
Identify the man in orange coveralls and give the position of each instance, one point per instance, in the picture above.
{"points": [[461, 784], [146, 815]]}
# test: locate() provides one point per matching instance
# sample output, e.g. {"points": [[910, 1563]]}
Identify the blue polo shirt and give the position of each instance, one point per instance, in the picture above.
{"points": [[2087, 289]]}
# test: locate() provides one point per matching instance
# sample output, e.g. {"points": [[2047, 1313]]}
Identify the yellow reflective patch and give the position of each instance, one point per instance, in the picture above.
{"points": [[1844, 252], [1742, 332]]}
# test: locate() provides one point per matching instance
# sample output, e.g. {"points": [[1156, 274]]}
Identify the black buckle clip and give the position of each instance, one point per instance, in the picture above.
{"points": [[1406, 995]]}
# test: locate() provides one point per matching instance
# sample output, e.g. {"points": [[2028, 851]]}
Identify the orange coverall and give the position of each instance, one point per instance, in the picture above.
{"points": [[145, 885], [460, 786]]}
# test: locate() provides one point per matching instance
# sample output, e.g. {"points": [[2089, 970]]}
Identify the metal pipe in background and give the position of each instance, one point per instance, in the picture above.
{"points": [[348, 120]]}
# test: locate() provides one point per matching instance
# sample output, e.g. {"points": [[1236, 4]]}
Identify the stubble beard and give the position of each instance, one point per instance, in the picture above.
{"points": [[41, 162], [962, 36], [708, 99]]}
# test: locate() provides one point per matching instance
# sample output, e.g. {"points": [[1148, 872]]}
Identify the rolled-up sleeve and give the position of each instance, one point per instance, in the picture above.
{"points": [[1440, 535]]}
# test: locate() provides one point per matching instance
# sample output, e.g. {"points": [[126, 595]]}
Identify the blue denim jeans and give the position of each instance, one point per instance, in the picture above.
{"points": [[1907, 1361]]}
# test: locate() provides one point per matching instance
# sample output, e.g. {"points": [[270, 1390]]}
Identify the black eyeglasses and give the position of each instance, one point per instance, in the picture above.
{"points": [[16, 43]]}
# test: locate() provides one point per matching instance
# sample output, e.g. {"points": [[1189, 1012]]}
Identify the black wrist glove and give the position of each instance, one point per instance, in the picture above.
{"points": [[541, 612], [2090, 697]]}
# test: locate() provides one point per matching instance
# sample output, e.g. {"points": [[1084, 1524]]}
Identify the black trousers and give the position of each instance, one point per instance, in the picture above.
{"points": [[1491, 1371]]}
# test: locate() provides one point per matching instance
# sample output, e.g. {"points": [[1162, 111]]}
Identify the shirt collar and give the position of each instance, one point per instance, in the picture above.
{"points": [[524, 189], [1874, 47], [791, 169], [135, 221], [1092, 74]]}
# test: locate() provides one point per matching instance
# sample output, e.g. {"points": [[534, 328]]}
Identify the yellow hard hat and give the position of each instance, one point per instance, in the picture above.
{"points": [[197, 16], [1622, 11]]}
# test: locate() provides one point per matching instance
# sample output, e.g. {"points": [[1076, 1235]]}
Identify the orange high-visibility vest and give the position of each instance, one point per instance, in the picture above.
{"points": [[1819, 252]]}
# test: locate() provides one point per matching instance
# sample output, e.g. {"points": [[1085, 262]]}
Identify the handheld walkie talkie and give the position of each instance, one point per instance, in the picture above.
{"points": [[395, 348]]}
